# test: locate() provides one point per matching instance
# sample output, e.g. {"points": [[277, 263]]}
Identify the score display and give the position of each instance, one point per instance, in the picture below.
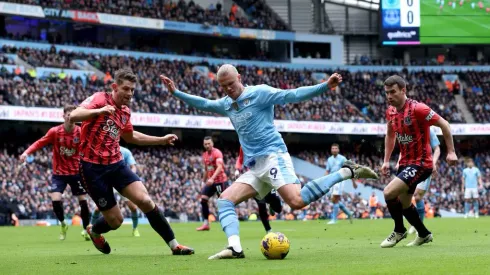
{"points": [[414, 22]]}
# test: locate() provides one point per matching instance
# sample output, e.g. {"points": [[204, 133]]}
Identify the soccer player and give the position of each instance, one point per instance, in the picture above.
{"points": [[409, 122], [105, 119], [65, 139], [471, 179], [215, 179], [424, 186], [251, 111], [271, 198], [335, 163], [129, 160], [373, 204]]}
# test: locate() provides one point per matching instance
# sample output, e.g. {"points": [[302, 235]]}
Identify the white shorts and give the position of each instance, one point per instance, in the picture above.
{"points": [[270, 172], [338, 188], [471, 193], [425, 184]]}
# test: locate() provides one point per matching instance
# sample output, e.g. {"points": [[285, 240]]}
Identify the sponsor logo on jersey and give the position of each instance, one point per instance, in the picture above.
{"points": [[404, 139], [407, 120], [112, 128], [67, 151]]}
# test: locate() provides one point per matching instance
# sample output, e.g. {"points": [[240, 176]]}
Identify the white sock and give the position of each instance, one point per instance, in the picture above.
{"points": [[234, 241], [173, 244], [345, 173], [63, 223], [206, 222]]}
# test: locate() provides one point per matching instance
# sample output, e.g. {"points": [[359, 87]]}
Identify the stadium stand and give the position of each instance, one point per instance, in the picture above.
{"points": [[182, 11]]}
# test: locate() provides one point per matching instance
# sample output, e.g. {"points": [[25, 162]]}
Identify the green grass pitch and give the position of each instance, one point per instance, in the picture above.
{"points": [[459, 247], [461, 25]]}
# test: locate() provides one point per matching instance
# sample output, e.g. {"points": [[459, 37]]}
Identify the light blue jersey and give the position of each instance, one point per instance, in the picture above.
{"points": [[434, 141], [471, 176], [127, 156], [252, 115], [335, 163]]}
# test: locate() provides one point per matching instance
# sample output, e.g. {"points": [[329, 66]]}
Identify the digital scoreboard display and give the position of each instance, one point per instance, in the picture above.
{"points": [[423, 22]]}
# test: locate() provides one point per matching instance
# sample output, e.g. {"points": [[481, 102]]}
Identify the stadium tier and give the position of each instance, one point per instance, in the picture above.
{"points": [[251, 14]]}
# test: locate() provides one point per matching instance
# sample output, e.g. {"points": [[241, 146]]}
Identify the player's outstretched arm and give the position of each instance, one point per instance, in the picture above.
{"points": [[81, 114], [278, 96], [40, 143], [138, 138], [213, 106], [451, 158], [389, 146]]}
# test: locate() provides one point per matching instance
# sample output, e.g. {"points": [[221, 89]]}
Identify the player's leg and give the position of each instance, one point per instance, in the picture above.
{"points": [[476, 205], [317, 188], [245, 188], [346, 211], [274, 202], [207, 192], [419, 201], [56, 189], [264, 216], [137, 193], [391, 194], [134, 217], [78, 190], [96, 181], [467, 202], [335, 209], [95, 215]]}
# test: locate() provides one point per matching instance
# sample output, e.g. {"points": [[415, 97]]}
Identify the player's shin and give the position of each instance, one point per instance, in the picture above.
{"points": [[85, 213], [264, 216], [100, 226], [421, 209], [229, 222], [335, 212], [134, 218], [161, 226], [344, 209], [412, 217], [95, 216], [395, 209], [476, 207], [205, 210], [58, 211], [316, 189], [467, 207]]}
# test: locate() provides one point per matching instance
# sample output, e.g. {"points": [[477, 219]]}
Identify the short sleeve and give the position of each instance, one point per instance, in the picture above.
{"points": [[94, 101], [129, 126], [218, 155], [478, 174], [425, 114]]}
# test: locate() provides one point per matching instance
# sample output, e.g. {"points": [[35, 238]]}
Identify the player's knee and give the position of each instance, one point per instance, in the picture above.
{"points": [[146, 204], [296, 203], [115, 222], [388, 194]]}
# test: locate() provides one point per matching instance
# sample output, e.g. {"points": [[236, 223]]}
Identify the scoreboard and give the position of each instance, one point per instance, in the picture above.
{"points": [[400, 22], [448, 22]]}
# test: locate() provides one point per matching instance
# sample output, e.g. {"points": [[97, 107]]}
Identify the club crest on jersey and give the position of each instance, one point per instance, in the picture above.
{"points": [[102, 202], [404, 139], [246, 102], [111, 127], [407, 121], [124, 120], [76, 140]]}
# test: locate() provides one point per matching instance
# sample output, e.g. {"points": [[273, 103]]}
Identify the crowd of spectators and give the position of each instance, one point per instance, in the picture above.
{"points": [[258, 13], [477, 95], [360, 97]]}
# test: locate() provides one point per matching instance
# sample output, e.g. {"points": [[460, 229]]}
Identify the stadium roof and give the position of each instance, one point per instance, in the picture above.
{"points": [[365, 4]]}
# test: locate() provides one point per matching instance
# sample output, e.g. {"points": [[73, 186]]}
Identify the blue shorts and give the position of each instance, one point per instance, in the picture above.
{"points": [[59, 183], [99, 181]]}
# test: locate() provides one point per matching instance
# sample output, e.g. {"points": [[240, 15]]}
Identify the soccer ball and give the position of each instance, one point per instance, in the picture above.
{"points": [[275, 246]]}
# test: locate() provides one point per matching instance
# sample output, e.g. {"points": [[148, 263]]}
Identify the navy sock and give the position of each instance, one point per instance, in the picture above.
{"points": [[264, 216], [413, 218], [159, 223], [85, 213], [395, 208], [101, 226], [58, 210]]}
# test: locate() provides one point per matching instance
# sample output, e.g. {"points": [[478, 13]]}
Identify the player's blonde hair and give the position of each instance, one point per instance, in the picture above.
{"points": [[227, 69]]}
